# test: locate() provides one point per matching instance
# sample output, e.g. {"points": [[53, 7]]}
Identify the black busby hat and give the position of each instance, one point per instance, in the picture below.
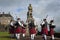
{"points": [[18, 18], [44, 19], [51, 20]]}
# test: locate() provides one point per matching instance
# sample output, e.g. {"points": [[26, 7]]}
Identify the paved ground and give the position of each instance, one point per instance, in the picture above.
{"points": [[38, 38], [28, 38]]}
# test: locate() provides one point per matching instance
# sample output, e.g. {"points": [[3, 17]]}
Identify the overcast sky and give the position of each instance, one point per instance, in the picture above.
{"points": [[41, 8]]}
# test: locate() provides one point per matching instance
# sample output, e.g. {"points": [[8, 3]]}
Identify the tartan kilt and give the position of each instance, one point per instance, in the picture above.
{"points": [[32, 31], [51, 31], [45, 31], [23, 30], [18, 30], [11, 31], [41, 30]]}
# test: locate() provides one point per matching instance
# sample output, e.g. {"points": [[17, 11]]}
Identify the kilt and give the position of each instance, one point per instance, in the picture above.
{"points": [[32, 31], [51, 31], [11, 31], [18, 30], [41, 30], [23, 30], [44, 31]]}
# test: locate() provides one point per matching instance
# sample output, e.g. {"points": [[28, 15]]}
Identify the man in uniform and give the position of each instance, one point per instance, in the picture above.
{"points": [[11, 28], [32, 28], [23, 29], [44, 29], [52, 26], [18, 28]]}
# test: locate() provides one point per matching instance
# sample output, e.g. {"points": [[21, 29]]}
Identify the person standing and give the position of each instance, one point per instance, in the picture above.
{"points": [[23, 29], [18, 28], [44, 29], [32, 30], [52, 26], [11, 28]]}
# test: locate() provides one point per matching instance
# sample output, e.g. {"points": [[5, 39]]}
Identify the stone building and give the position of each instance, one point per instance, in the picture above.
{"points": [[5, 19]]}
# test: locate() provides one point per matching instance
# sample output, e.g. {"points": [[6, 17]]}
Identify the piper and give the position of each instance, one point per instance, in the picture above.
{"points": [[32, 30], [11, 28], [18, 28], [52, 26], [44, 29]]}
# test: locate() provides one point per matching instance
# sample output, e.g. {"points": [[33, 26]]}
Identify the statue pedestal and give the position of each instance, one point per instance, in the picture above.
{"points": [[27, 31]]}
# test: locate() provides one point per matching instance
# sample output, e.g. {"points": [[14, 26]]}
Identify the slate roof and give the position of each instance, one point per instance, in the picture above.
{"points": [[6, 15]]}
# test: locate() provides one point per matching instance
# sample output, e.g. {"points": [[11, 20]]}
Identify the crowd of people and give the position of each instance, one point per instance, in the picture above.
{"points": [[19, 27]]}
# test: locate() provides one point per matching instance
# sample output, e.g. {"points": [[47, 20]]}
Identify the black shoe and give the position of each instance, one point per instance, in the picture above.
{"points": [[45, 39], [51, 39]]}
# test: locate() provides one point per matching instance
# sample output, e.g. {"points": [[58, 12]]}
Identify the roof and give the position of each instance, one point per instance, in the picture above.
{"points": [[6, 15]]}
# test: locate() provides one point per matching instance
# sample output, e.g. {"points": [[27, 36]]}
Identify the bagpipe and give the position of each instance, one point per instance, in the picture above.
{"points": [[24, 26], [42, 26]]}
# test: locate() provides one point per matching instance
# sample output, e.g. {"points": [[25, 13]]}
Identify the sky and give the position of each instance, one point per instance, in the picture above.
{"points": [[41, 8]]}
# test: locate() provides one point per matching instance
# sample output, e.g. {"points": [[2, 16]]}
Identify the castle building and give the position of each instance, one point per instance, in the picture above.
{"points": [[5, 18]]}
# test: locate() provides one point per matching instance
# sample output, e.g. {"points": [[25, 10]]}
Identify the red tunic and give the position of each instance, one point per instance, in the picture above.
{"points": [[32, 30]]}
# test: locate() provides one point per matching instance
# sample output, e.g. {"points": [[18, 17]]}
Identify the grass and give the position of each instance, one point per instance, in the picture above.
{"points": [[5, 36]]}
